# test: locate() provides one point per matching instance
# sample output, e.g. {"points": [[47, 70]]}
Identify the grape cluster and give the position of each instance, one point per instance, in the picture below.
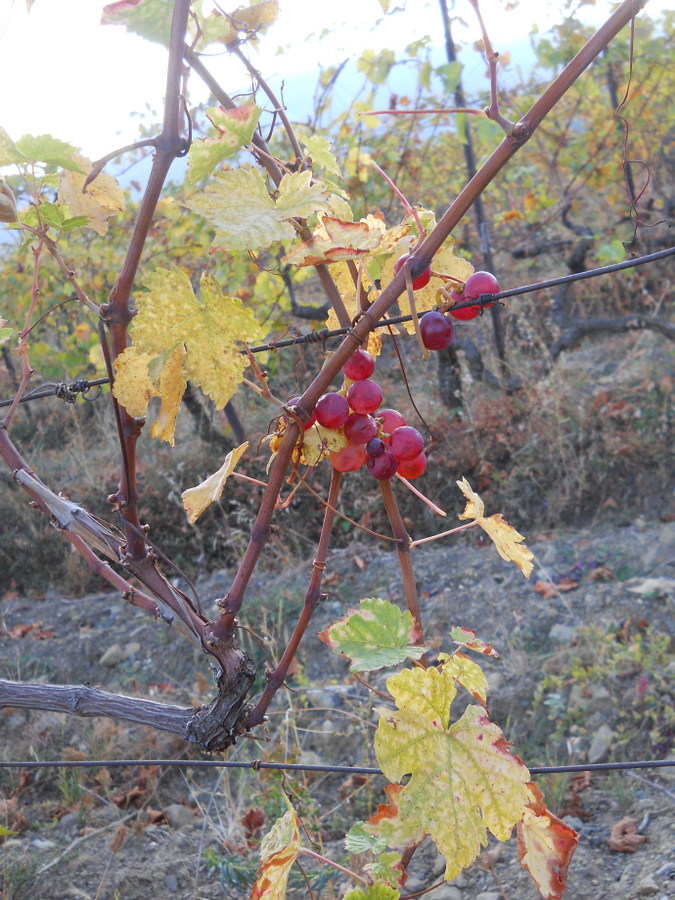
{"points": [[378, 438]]}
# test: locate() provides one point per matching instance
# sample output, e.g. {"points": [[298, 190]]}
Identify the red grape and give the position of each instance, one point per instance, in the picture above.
{"points": [[364, 396], [375, 447], [292, 402], [331, 410], [412, 468], [391, 419], [360, 365], [406, 442], [383, 466], [476, 284], [436, 330], [349, 458], [421, 280], [359, 428]]}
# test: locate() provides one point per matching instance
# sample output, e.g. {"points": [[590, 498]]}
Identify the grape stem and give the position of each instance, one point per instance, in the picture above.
{"points": [[432, 506], [405, 562], [442, 534], [408, 208]]}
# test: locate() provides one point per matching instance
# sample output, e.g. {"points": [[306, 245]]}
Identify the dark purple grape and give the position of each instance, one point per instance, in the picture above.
{"points": [[383, 466], [437, 330], [375, 447]]}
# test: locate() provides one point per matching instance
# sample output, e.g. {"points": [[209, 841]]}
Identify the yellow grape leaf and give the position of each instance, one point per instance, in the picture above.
{"points": [[466, 673], [197, 499], [345, 285], [463, 779], [235, 128], [444, 263], [388, 825], [506, 539], [102, 199], [172, 386], [378, 891], [545, 846], [134, 386], [318, 442], [319, 149], [278, 851], [335, 241], [210, 329], [248, 19], [245, 217]]}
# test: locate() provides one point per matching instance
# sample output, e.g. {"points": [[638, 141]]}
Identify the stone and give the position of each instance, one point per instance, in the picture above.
{"points": [[489, 895], [133, 648], [171, 883], [647, 887], [602, 741], [112, 657], [178, 815], [563, 634], [443, 892]]}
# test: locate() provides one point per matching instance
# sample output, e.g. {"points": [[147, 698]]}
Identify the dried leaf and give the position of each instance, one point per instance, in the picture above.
{"points": [[545, 846], [278, 851], [624, 837], [506, 539], [197, 499], [335, 241]]}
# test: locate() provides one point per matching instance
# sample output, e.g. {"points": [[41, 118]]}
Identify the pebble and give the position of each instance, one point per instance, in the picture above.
{"points": [[68, 822], [41, 844], [602, 741], [112, 657], [667, 870], [489, 895], [171, 883], [443, 892], [647, 887], [563, 634], [178, 815]]}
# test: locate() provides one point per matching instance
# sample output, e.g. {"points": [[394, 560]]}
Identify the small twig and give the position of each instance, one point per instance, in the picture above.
{"points": [[330, 862], [408, 208], [99, 165], [435, 537], [432, 506], [460, 110], [357, 677], [381, 537]]}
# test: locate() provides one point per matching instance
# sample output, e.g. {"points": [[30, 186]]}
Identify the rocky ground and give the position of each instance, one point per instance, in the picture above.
{"points": [[155, 832]]}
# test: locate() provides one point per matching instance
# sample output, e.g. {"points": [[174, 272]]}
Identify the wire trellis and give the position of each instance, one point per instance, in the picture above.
{"points": [[68, 390], [256, 765]]}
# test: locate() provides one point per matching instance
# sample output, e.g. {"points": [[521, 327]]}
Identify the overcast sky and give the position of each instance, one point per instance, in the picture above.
{"points": [[62, 73]]}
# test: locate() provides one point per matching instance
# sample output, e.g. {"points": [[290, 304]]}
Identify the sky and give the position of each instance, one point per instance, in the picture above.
{"points": [[64, 74]]}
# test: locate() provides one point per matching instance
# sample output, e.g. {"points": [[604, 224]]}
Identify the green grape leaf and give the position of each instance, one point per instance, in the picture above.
{"points": [[319, 148], [6, 332], [465, 637], [235, 129], [244, 215], [41, 149], [278, 851], [358, 840], [377, 634], [373, 892], [150, 19], [384, 868], [463, 779]]}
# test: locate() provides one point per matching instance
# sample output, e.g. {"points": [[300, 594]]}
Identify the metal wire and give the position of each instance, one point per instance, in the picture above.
{"points": [[66, 390], [257, 764]]}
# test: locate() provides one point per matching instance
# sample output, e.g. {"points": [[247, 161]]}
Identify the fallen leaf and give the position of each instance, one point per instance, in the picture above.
{"points": [[546, 589], [567, 584], [624, 837]]}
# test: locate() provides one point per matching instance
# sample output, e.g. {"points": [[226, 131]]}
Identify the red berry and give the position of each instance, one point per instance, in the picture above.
{"points": [[360, 365], [359, 428], [412, 468], [364, 396], [349, 458], [406, 442], [291, 403], [331, 410], [375, 447], [476, 284], [391, 419], [421, 280], [437, 330], [383, 466]]}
